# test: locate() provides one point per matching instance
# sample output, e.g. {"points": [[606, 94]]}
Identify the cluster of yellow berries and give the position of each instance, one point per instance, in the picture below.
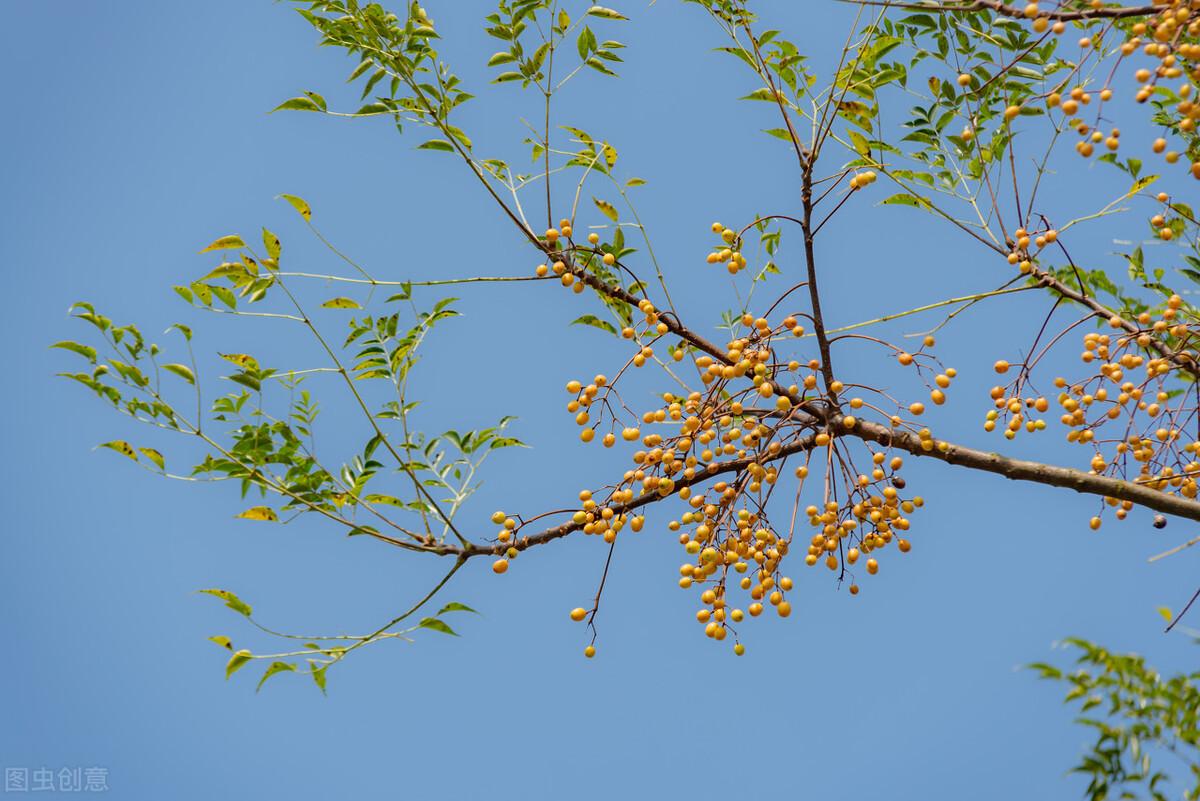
{"points": [[554, 237], [1160, 223], [1129, 390], [754, 409], [1168, 35], [728, 252], [1025, 245], [1012, 409]]}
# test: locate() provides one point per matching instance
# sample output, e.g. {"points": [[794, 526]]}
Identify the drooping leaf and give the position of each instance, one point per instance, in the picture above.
{"points": [[155, 457], [232, 601], [275, 667], [436, 625], [236, 661], [300, 205], [455, 606]]}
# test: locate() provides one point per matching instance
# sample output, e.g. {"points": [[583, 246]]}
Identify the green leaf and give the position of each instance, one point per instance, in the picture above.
{"points": [[455, 606], [341, 303], [860, 143], [275, 667], [181, 370], [635, 182], [905, 199], [389, 500], [595, 322], [226, 243], [605, 13], [299, 204], [259, 513], [501, 58], [436, 144], [303, 103], [75, 347], [222, 641], [232, 601], [318, 674], [236, 661], [121, 446], [154, 456], [763, 93], [436, 625], [505, 77], [606, 208]]}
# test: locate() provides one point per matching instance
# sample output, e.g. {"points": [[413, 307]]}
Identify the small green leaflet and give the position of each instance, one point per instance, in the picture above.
{"points": [[222, 641], [181, 370], [436, 625], [232, 601], [437, 144], [310, 101], [83, 350], [276, 667], [455, 606], [596, 322], [905, 199]]}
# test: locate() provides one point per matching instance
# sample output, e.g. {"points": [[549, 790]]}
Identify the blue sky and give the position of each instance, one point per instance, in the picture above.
{"points": [[137, 133]]}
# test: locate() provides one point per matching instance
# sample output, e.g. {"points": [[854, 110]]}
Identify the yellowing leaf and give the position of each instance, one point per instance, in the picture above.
{"points": [[241, 360], [341, 303], [226, 243], [154, 456], [300, 205], [1166, 613], [1140, 184], [121, 446], [259, 513], [606, 208]]}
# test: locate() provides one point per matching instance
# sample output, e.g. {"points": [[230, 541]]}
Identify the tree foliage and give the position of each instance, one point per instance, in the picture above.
{"points": [[765, 453]]}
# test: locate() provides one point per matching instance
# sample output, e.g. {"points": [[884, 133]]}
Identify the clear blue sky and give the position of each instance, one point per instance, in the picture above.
{"points": [[136, 132]]}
